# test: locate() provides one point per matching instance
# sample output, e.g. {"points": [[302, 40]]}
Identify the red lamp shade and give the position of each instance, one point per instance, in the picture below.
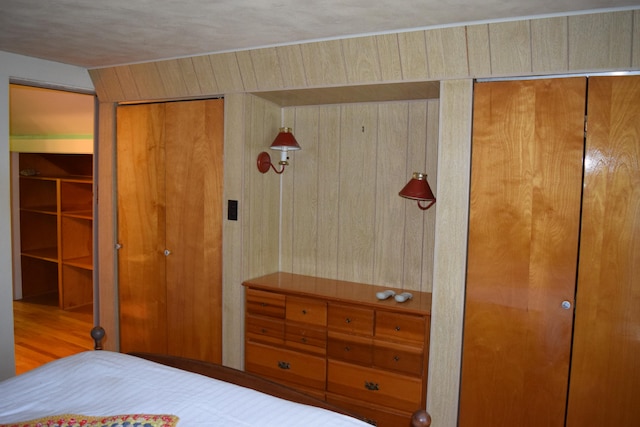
{"points": [[285, 142], [418, 189]]}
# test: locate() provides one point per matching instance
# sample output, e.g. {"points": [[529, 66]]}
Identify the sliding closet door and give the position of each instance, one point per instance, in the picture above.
{"points": [[194, 134], [141, 228], [526, 183], [170, 170], [605, 370]]}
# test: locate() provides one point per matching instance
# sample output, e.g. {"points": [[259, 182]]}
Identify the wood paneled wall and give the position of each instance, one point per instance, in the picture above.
{"points": [[342, 217], [603, 41], [580, 43]]}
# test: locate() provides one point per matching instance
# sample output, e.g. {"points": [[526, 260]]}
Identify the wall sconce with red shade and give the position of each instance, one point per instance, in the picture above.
{"points": [[285, 142], [418, 189]]}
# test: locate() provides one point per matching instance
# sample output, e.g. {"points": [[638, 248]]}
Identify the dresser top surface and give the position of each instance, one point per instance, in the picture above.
{"points": [[340, 291]]}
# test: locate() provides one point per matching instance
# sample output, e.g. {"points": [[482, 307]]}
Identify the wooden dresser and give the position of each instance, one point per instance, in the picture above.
{"points": [[335, 340]]}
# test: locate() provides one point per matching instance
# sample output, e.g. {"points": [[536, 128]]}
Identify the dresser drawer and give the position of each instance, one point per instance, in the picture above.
{"points": [[350, 320], [374, 385], [400, 327], [265, 303], [286, 365], [398, 357], [265, 329], [306, 310], [377, 415], [306, 338], [350, 348]]}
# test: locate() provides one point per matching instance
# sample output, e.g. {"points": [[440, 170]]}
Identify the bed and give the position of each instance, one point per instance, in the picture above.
{"points": [[103, 388]]}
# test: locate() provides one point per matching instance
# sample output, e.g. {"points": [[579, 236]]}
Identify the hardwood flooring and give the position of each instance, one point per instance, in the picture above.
{"points": [[44, 332]]}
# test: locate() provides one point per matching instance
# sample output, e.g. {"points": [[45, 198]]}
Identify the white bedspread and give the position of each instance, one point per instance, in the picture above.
{"points": [[101, 383]]}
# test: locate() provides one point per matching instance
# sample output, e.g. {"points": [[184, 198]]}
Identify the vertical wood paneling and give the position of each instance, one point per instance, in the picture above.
{"points": [[287, 194], [635, 55], [232, 242], [478, 50], [357, 192], [305, 190], [550, 45], [148, 81], [185, 73], [291, 66], [128, 81], [413, 55], [389, 207], [227, 73], [361, 60], [600, 41], [329, 131], [510, 48], [190, 77], [454, 162], [248, 73], [314, 204], [429, 226], [172, 78], [415, 159], [447, 53], [324, 63], [108, 88], [452, 190], [389, 57], [203, 75], [595, 42], [266, 67], [263, 207]]}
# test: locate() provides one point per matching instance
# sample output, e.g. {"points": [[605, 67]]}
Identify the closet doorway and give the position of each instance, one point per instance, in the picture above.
{"points": [[53, 222]]}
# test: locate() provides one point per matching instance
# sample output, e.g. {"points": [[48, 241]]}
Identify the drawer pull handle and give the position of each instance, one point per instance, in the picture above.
{"points": [[396, 358], [284, 365], [398, 328], [263, 304], [304, 340], [304, 311], [371, 386], [263, 330], [347, 320], [347, 349]]}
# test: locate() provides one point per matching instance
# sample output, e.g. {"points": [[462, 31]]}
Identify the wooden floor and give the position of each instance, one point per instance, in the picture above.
{"points": [[44, 332]]}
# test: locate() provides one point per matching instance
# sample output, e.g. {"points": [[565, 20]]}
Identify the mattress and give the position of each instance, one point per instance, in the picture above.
{"points": [[102, 383]]}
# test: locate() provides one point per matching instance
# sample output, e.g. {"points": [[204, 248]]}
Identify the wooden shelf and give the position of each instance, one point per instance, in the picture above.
{"points": [[56, 225], [46, 254], [85, 262], [80, 214], [77, 178], [48, 210]]}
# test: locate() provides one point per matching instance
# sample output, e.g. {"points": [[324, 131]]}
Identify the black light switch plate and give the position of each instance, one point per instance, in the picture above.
{"points": [[232, 210]]}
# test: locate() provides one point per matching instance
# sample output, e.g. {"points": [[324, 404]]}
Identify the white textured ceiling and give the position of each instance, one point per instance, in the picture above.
{"points": [[100, 33]]}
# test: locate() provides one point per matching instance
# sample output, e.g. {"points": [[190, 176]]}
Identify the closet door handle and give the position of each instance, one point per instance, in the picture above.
{"points": [[167, 252], [566, 305]]}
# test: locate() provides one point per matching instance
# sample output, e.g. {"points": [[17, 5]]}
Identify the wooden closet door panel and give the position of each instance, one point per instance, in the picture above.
{"points": [[526, 181], [141, 224], [605, 369], [194, 153]]}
